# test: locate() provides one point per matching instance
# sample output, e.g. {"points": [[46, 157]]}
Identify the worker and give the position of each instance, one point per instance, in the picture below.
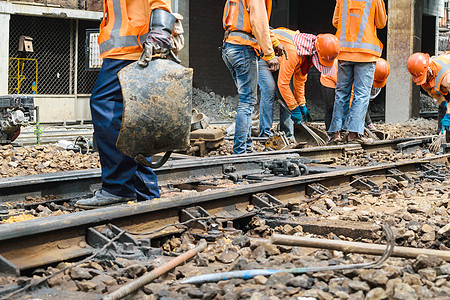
{"points": [[357, 23], [433, 74], [247, 36], [382, 70], [304, 50], [132, 30]]}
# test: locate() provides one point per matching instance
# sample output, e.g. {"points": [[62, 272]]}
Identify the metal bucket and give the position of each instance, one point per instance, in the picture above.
{"points": [[157, 110]]}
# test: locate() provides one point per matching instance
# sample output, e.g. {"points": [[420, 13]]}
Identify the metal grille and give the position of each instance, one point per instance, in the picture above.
{"points": [[86, 79], [56, 65]]}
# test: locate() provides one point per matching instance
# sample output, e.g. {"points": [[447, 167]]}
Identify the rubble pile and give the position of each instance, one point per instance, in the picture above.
{"points": [[411, 128], [226, 148], [361, 158], [21, 161]]}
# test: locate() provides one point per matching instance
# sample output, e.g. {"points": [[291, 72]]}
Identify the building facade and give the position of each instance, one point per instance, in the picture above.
{"points": [[56, 72]]}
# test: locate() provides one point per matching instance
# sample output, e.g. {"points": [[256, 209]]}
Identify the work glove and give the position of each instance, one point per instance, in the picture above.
{"points": [[445, 123], [280, 50], [296, 115], [305, 113], [159, 37], [444, 104]]}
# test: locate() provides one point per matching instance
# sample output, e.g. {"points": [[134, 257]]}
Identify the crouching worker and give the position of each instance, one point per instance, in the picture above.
{"points": [[432, 73], [303, 51]]}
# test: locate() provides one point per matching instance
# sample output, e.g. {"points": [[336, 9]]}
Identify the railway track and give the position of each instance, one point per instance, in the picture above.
{"points": [[212, 198], [34, 243], [74, 184]]}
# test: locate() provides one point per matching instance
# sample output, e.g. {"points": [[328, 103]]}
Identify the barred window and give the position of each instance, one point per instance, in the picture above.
{"points": [[56, 65]]}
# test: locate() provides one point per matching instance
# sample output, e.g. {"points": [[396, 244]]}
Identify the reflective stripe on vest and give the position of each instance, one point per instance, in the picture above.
{"points": [[362, 27], [243, 35], [240, 22], [445, 67], [283, 34], [115, 40]]}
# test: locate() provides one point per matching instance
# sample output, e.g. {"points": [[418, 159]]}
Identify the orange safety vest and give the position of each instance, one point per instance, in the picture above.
{"points": [[356, 30], [121, 33], [236, 21], [441, 67]]}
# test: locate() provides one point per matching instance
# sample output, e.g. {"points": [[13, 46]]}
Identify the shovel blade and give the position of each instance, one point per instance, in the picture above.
{"points": [[302, 133], [157, 108]]}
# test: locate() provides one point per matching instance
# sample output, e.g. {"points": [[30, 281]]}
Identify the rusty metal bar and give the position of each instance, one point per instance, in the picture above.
{"points": [[155, 273], [355, 247]]}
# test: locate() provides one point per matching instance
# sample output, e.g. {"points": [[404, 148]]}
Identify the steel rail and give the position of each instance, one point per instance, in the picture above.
{"points": [[34, 243]]}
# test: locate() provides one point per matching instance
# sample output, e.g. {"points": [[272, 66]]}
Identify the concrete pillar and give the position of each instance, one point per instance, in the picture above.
{"points": [[404, 38], [4, 53], [182, 7]]}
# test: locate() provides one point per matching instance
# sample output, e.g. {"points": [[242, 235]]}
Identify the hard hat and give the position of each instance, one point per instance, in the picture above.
{"points": [[328, 47], [382, 71], [418, 65]]}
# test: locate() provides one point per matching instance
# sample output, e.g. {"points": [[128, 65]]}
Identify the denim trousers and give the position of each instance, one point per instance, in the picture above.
{"points": [[121, 175], [269, 93], [328, 96], [360, 76], [243, 64]]}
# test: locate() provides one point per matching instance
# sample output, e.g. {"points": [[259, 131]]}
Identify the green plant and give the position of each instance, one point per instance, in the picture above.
{"points": [[230, 115], [38, 131]]}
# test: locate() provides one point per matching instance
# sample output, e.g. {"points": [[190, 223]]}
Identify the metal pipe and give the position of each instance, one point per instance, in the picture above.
{"points": [[155, 273], [355, 247]]}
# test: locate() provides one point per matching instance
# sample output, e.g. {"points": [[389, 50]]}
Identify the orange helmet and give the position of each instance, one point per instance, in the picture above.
{"points": [[328, 47], [382, 71], [418, 65]]}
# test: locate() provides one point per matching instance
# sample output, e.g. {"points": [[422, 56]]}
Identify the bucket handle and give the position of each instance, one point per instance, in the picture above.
{"points": [[142, 160]]}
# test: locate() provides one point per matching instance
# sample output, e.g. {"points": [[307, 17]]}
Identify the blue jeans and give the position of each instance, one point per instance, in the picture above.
{"points": [[121, 175], [243, 64], [269, 94], [360, 76]]}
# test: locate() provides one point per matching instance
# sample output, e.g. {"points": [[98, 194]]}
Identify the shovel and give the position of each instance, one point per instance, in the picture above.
{"points": [[303, 132]]}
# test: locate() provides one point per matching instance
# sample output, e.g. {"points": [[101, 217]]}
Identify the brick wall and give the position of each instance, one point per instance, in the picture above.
{"points": [[206, 35]]}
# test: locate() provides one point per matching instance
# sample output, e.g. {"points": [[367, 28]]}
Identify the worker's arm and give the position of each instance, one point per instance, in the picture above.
{"points": [[445, 85], [260, 27], [287, 70], [158, 40], [439, 98], [160, 4], [299, 87], [380, 15], [336, 15]]}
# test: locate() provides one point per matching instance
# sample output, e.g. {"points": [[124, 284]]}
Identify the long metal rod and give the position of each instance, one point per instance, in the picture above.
{"points": [[155, 273], [355, 247]]}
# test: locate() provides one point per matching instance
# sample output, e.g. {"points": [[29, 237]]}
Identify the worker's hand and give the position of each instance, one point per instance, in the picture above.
{"points": [[280, 51], [305, 113], [445, 123], [274, 65], [158, 41], [296, 115]]}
